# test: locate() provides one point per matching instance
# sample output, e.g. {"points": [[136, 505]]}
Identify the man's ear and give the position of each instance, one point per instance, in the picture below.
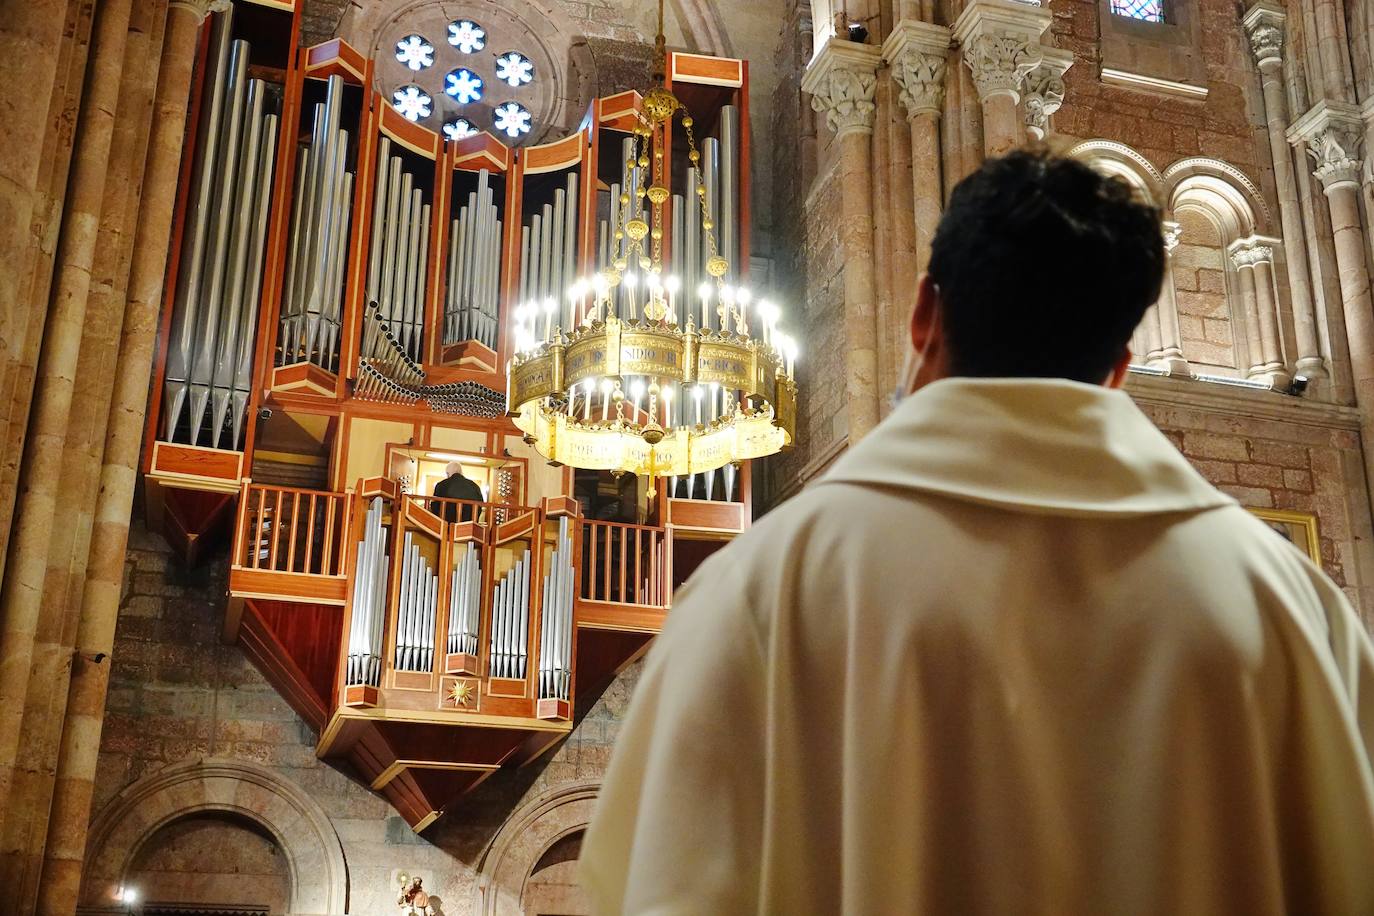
{"points": [[1119, 371], [925, 317]]}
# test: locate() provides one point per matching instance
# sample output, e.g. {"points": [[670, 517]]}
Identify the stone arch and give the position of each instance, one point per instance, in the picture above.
{"points": [[703, 27], [319, 875], [1120, 160], [522, 841], [1200, 173], [1216, 198]]}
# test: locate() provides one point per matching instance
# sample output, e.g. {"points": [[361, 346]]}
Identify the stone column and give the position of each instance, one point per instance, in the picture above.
{"points": [[1170, 354], [85, 708], [1000, 40], [917, 53], [35, 511], [1264, 24], [841, 80], [1043, 90], [1243, 257], [1332, 132]]}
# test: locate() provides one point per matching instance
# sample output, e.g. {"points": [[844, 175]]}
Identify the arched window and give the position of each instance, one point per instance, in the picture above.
{"points": [[512, 70], [1205, 326]]}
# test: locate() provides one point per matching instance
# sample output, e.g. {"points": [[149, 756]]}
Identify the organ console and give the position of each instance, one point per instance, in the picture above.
{"points": [[340, 312]]}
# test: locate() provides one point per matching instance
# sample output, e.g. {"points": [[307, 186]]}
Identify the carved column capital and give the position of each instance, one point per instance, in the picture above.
{"points": [[1332, 132], [200, 8], [1172, 232], [1264, 26], [841, 80], [1001, 44], [1043, 90], [1248, 253], [917, 53]]}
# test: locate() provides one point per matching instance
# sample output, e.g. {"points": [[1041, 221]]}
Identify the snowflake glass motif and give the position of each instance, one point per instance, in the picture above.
{"points": [[514, 68], [459, 128], [467, 36], [464, 85], [511, 119], [1144, 10], [412, 102], [415, 52]]}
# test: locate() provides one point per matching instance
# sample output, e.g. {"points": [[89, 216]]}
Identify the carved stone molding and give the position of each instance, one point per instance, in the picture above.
{"points": [[1043, 90], [917, 52], [1332, 132], [1250, 254], [200, 8], [841, 80], [1172, 233], [1264, 25], [1001, 44]]}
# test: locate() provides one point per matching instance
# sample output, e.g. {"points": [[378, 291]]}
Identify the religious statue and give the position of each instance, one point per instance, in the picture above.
{"points": [[413, 900]]}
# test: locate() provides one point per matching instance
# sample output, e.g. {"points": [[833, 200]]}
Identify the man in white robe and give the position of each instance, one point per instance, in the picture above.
{"points": [[1013, 654]]}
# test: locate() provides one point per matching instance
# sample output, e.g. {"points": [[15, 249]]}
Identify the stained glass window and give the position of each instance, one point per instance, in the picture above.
{"points": [[512, 119], [1144, 10], [412, 102], [415, 52], [467, 36], [514, 69], [459, 128], [464, 85]]}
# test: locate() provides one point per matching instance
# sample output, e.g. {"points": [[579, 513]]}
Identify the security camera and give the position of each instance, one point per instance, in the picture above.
{"points": [[1298, 386], [265, 413]]}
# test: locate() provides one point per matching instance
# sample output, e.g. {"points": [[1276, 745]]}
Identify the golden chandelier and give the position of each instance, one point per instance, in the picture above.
{"points": [[635, 384]]}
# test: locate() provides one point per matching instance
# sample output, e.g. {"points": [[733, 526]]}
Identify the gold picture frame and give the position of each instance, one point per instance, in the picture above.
{"points": [[1298, 528]]}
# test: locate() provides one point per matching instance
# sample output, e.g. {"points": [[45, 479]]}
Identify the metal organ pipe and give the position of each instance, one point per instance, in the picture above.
{"points": [[465, 602], [474, 278], [510, 621], [555, 644], [313, 291], [215, 303], [369, 600]]}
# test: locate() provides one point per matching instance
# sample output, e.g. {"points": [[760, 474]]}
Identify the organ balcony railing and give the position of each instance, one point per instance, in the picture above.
{"points": [[376, 607]]}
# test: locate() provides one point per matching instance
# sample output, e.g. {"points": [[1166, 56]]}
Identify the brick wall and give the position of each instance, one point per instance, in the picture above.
{"points": [[177, 692]]}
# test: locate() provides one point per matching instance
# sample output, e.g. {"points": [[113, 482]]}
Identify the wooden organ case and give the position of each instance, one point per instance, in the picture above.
{"points": [[335, 337]]}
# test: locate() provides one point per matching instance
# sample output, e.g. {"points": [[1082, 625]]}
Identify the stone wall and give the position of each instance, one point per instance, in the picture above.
{"points": [[178, 693]]}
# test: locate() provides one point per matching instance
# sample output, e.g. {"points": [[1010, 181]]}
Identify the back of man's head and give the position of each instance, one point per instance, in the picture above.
{"points": [[1044, 268]]}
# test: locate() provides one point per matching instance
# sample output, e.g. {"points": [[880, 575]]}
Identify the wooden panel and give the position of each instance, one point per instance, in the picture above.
{"points": [[560, 154], [609, 615], [412, 136], [309, 634], [335, 57], [306, 378], [621, 111], [197, 468], [705, 516], [706, 71], [263, 583], [280, 669], [468, 354], [481, 151]]}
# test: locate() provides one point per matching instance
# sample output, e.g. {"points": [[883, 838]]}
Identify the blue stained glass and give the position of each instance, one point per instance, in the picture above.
{"points": [[1144, 10]]}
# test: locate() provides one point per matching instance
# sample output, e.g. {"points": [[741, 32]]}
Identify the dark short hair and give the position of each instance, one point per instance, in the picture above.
{"points": [[1045, 267]]}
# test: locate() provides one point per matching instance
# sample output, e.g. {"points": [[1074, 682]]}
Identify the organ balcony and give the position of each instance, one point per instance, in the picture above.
{"points": [[337, 327]]}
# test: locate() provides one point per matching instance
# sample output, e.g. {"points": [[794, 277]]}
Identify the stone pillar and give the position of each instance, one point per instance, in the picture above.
{"points": [[1043, 90], [841, 80], [1332, 132], [1000, 40], [917, 53], [1170, 355], [35, 511], [1264, 25], [85, 708], [1243, 257]]}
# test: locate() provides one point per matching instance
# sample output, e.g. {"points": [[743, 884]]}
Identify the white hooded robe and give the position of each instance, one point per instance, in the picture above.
{"points": [[1013, 654]]}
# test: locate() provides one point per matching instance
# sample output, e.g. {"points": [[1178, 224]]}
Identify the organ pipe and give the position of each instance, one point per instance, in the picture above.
{"points": [[313, 290], [465, 600], [415, 614], [219, 276], [369, 600], [474, 269], [510, 620], [555, 645]]}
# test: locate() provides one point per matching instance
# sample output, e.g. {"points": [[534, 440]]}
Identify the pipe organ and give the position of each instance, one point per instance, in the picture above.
{"points": [[342, 308]]}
